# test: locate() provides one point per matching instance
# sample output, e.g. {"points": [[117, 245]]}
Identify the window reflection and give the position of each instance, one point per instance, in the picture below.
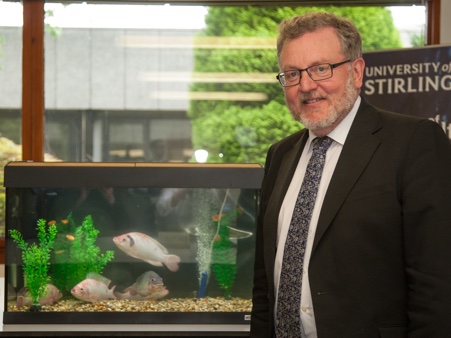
{"points": [[122, 78]]}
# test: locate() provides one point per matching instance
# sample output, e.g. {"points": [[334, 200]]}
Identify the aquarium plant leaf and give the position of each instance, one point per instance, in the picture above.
{"points": [[36, 259]]}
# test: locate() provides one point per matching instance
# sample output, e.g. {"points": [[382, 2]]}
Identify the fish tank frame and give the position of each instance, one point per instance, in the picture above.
{"points": [[126, 175]]}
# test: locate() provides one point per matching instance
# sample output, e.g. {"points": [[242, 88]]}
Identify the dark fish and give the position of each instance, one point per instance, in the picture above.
{"points": [[148, 286]]}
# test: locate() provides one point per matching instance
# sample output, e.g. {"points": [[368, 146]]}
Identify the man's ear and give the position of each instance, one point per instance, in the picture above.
{"points": [[358, 66]]}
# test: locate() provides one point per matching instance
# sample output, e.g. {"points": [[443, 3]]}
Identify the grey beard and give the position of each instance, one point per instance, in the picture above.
{"points": [[335, 114]]}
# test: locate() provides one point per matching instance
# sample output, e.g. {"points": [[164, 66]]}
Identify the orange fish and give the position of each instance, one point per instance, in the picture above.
{"points": [[70, 237], [52, 222], [218, 217], [64, 221], [59, 252]]}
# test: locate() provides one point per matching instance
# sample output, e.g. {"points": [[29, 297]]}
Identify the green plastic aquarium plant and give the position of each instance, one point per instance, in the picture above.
{"points": [[36, 260], [76, 253], [223, 260]]}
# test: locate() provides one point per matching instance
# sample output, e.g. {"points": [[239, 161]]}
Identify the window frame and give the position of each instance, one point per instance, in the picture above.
{"points": [[33, 53]]}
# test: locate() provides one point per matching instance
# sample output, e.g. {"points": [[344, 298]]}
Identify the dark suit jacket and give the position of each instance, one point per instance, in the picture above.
{"points": [[381, 259]]}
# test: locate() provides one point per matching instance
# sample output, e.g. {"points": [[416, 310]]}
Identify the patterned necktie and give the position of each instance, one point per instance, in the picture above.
{"points": [[290, 284]]}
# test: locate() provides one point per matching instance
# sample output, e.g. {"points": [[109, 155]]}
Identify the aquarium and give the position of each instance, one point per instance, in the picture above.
{"points": [[146, 243]]}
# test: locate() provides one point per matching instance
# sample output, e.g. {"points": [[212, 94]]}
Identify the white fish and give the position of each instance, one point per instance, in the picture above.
{"points": [[51, 296], [144, 247], [94, 288]]}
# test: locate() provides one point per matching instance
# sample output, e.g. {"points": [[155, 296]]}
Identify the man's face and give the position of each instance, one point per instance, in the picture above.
{"points": [[320, 105]]}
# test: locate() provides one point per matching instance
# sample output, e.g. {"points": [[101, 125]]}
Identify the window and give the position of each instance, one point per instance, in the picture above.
{"points": [[163, 72]]}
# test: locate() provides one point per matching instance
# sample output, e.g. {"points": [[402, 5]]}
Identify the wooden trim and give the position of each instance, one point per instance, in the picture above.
{"points": [[33, 80], [2, 251], [433, 22]]}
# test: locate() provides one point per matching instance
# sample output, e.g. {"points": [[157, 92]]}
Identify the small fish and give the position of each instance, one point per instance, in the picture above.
{"points": [[59, 252], [65, 221], [94, 288], [218, 217], [51, 296], [146, 248], [52, 222], [148, 286], [70, 237]]}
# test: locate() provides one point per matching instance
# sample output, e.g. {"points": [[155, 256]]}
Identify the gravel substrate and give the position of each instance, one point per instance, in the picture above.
{"points": [[167, 305]]}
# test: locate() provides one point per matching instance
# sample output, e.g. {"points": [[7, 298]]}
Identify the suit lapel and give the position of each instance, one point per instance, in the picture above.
{"points": [[288, 167], [286, 171], [361, 141]]}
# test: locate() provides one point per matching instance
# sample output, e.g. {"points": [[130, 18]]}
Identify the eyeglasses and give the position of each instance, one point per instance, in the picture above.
{"points": [[320, 72]]}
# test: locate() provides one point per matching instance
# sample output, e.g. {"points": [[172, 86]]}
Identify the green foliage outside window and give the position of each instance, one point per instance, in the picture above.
{"points": [[242, 131], [10, 151]]}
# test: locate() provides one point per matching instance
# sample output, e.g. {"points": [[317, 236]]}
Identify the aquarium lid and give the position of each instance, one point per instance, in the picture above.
{"points": [[29, 174]]}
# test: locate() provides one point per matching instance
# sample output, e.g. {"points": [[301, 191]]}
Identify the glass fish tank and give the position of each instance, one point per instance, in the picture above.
{"points": [[147, 243]]}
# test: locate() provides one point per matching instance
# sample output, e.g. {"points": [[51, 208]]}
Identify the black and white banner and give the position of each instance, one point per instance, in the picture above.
{"points": [[414, 81]]}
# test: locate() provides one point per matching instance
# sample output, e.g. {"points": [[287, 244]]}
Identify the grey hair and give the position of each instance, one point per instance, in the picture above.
{"points": [[350, 39]]}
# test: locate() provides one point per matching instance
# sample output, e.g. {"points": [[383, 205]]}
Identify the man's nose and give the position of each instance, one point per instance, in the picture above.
{"points": [[306, 84]]}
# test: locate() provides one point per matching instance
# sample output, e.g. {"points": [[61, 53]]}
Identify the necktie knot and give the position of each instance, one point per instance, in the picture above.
{"points": [[322, 143]]}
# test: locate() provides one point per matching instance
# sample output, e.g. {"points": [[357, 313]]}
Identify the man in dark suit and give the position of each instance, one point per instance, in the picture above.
{"points": [[377, 259]]}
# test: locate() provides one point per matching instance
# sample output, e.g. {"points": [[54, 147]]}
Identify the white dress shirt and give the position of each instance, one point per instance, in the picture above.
{"points": [[338, 136]]}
